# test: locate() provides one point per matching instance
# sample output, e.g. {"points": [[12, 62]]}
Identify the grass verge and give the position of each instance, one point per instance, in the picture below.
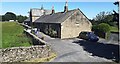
{"points": [[13, 36], [114, 29]]}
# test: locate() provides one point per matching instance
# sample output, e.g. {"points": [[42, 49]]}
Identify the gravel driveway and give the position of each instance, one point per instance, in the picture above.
{"points": [[77, 50]]}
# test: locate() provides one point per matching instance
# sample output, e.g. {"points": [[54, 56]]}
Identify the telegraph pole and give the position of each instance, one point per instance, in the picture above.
{"points": [[116, 14], [117, 3]]}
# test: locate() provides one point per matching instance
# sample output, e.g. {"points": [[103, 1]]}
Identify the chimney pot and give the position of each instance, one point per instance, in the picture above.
{"points": [[66, 6], [53, 11]]}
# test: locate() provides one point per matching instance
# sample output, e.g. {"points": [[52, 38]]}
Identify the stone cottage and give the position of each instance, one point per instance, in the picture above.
{"points": [[66, 24]]}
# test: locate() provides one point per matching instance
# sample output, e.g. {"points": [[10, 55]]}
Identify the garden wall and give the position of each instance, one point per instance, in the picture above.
{"points": [[18, 54], [36, 40]]}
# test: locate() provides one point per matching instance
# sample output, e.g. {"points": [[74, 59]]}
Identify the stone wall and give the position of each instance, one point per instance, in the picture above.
{"points": [[18, 54], [35, 40]]}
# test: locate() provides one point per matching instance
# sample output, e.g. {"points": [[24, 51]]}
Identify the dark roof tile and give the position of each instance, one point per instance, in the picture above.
{"points": [[28, 19], [55, 18]]}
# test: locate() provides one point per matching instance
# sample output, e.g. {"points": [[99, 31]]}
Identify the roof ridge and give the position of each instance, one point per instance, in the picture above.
{"points": [[71, 13], [67, 11], [39, 9], [58, 17]]}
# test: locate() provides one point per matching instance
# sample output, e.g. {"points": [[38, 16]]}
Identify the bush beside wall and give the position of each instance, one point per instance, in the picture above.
{"points": [[102, 30]]}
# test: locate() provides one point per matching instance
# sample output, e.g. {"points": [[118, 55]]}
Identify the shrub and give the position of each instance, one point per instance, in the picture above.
{"points": [[94, 27], [102, 30], [53, 33], [104, 27]]}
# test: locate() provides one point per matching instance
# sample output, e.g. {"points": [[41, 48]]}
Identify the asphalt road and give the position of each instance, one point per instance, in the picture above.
{"points": [[113, 39], [77, 50]]}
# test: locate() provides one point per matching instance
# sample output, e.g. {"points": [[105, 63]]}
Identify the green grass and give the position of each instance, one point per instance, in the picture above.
{"points": [[12, 35], [114, 29]]}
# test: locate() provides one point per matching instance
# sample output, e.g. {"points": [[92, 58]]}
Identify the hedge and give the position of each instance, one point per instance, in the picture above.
{"points": [[102, 30]]}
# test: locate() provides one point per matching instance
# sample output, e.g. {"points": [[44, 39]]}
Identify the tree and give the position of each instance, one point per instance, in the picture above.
{"points": [[21, 18], [9, 16], [3, 18], [99, 17], [104, 17], [0, 18]]}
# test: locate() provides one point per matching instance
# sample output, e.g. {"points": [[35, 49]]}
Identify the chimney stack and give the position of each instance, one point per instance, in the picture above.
{"points": [[42, 7], [66, 6], [53, 11]]}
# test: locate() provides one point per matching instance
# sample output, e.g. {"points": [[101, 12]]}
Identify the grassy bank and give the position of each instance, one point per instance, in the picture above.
{"points": [[12, 35]]}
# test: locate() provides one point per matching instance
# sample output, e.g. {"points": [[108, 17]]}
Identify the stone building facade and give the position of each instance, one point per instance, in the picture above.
{"points": [[73, 25], [66, 24], [36, 13]]}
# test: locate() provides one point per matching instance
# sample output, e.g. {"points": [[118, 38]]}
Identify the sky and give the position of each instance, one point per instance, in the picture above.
{"points": [[58, 0], [90, 9]]}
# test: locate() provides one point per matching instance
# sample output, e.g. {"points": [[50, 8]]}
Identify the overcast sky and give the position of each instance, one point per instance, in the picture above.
{"points": [[90, 9]]}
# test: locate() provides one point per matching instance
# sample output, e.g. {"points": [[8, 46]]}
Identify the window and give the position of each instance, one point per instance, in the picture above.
{"points": [[77, 24], [78, 17]]}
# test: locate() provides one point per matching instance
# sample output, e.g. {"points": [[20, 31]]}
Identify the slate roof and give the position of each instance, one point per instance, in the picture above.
{"points": [[55, 18], [28, 19]]}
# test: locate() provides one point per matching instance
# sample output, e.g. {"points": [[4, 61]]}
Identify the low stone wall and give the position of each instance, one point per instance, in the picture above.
{"points": [[36, 40], [18, 54]]}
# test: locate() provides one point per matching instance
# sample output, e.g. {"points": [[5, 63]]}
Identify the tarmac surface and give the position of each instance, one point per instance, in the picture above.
{"points": [[78, 50]]}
